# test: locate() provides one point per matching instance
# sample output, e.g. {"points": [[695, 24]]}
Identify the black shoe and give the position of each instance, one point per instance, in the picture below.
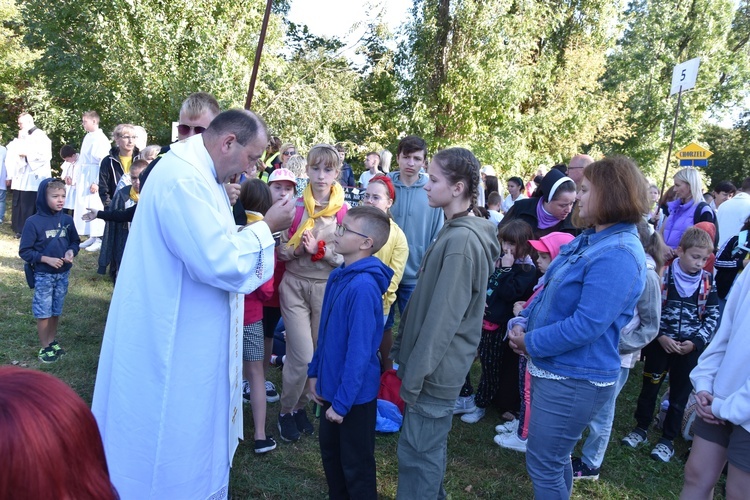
{"points": [[265, 445], [288, 428], [57, 348], [583, 471], [303, 423]]}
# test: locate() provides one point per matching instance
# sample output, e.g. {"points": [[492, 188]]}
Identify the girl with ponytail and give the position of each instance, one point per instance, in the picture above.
{"points": [[440, 329]]}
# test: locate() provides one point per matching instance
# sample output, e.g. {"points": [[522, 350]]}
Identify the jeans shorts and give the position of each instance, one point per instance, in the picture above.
{"points": [[49, 294]]}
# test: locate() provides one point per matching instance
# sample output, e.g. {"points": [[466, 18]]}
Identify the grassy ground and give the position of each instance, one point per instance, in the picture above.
{"points": [[477, 468]]}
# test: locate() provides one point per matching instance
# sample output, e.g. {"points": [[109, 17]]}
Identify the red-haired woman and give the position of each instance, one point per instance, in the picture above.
{"points": [[50, 446]]}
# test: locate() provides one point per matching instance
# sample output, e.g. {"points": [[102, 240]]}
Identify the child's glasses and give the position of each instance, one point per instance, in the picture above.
{"points": [[341, 229]]}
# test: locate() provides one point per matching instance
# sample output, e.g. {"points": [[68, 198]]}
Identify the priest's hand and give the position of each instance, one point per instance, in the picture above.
{"points": [[233, 192], [280, 216]]}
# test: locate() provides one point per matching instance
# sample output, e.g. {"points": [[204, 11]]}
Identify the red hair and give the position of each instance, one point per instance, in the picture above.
{"points": [[49, 440], [388, 183]]}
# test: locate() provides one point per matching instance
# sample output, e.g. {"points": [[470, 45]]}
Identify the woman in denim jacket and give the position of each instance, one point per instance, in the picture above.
{"points": [[573, 326]]}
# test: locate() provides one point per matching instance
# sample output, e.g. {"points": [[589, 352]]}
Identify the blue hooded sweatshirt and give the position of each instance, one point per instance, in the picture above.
{"points": [[417, 219], [40, 235], [351, 327]]}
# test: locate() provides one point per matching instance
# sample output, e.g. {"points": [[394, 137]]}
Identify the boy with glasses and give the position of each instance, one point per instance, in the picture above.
{"points": [[348, 344]]}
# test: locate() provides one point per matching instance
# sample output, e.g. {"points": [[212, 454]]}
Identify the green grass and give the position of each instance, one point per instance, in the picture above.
{"points": [[477, 468]]}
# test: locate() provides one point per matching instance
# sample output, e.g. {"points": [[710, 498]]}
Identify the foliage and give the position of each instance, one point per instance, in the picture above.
{"points": [[657, 36], [16, 60], [518, 82], [730, 161], [135, 61]]}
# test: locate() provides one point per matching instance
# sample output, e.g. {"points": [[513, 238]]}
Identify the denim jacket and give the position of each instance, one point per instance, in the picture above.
{"points": [[590, 292]]}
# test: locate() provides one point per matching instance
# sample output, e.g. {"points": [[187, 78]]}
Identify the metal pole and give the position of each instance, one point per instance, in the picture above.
{"points": [[671, 141], [258, 52]]}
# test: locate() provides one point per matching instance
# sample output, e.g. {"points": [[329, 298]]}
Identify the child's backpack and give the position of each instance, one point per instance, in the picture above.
{"points": [[705, 289], [299, 210]]}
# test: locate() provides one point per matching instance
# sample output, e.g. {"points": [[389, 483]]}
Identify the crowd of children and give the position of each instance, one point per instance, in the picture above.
{"points": [[469, 283]]}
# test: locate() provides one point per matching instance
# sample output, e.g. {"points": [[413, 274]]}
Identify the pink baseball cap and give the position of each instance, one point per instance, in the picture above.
{"points": [[282, 174], [551, 243]]}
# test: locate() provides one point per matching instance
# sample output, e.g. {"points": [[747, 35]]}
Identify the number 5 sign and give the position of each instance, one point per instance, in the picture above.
{"points": [[684, 76]]}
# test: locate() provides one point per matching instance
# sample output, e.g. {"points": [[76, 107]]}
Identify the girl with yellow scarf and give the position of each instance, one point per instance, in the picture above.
{"points": [[307, 248]]}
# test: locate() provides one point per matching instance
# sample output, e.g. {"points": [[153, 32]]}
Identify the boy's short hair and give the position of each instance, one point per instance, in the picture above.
{"points": [[725, 187], [340, 147], [695, 237], [325, 152], [411, 144], [494, 198], [374, 223], [139, 163], [198, 103], [93, 115], [67, 151], [55, 184]]}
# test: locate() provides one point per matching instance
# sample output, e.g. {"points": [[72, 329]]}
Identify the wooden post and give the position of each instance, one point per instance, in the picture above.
{"points": [[671, 141], [258, 52]]}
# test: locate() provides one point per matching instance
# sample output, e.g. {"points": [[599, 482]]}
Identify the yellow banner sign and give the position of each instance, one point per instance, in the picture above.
{"points": [[693, 151]]}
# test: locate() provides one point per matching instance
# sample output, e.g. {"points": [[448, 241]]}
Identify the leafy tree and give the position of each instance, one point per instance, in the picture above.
{"points": [[731, 160], [657, 36], [518, 82], [16, 62]]}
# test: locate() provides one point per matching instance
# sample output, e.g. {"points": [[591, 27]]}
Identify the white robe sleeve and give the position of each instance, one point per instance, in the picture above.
{"points": [[236, 262]]}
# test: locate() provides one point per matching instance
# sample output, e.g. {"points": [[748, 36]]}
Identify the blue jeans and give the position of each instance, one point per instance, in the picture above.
{"points": [[3, 195], [560, 411], [600, 428], [403, 293]]}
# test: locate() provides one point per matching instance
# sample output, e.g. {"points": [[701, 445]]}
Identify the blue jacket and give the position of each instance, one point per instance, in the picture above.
{"points": [[419, 222], [351, 328], [590, 292], [43, 226]]}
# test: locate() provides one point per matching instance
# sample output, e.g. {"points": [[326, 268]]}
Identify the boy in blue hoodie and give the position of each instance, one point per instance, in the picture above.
{"points": [[345, 371], [49, 242]]}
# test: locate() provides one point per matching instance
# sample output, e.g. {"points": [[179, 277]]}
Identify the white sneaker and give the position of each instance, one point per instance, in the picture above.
{"points": [[474, 416], [87, 243], [510, 426], [271, 395], [464, 404], [511, 442], [96, 246]]}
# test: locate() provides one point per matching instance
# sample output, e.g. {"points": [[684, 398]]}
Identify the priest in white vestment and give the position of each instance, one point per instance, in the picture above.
{"points": [[166, 376]]}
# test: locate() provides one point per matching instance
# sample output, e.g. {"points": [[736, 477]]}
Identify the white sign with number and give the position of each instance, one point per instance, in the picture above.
{"points": [[684, 75]]}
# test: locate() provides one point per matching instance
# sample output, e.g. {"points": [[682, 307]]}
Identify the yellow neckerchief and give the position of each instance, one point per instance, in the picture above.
{"points": [[126, 161], [133, 194], [335, 202], [253, 216]]}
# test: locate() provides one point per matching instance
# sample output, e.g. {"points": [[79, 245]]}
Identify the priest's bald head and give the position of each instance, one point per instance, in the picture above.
{"points": [[235, 139]]}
